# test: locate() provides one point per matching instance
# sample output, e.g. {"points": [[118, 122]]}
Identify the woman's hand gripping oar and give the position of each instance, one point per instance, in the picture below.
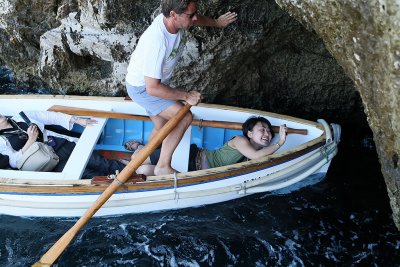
{"points": [[57, 249]]}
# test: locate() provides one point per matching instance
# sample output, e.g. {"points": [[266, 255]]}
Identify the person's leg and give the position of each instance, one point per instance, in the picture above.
{"points": [[158, 123], [147, 161], [172, 140], [63, 150], [99, 166], [152, 104], [160, 111], [147, 167], [147, 170]]}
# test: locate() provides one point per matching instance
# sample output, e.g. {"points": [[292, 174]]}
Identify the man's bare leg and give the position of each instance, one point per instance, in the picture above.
{"points": [[172, 140], [158, 123]]}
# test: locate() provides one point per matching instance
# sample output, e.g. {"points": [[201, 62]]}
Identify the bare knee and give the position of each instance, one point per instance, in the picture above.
{"points": [[158, 122]]}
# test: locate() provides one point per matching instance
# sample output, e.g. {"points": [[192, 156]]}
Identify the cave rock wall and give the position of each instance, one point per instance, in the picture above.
{"points": [[364, 38]]}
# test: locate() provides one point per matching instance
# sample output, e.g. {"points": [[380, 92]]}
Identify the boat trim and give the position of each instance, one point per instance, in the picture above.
{"points": [[185, 179]]}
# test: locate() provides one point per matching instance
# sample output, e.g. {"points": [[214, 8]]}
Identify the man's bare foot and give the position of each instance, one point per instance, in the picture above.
{"points": [[147, 170], [164, 170]]}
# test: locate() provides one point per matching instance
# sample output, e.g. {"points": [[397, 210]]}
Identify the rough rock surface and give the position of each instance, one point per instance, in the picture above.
{"points": [[79, 47], [266, 60], [364, 38]]}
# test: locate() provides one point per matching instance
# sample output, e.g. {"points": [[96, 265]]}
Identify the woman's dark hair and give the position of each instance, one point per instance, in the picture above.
{"points": [[179, 6], [249, 124]]}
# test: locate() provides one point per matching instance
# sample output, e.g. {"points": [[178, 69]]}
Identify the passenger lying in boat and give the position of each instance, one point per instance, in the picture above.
{"points": [[253, 144], [16, 137]]}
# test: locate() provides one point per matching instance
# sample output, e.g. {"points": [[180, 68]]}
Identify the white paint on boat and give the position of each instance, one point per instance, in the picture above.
{"points": [[38, 194]]}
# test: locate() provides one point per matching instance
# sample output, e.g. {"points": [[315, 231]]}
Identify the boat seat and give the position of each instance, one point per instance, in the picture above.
{"points": [[83, 149], [77, 161], [117, 132]]}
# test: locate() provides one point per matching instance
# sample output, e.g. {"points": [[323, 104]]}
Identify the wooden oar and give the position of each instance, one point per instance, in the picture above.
{"points": [[119, 115], [55, 251]]}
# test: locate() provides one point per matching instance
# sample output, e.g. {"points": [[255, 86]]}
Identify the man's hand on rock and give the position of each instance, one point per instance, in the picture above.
{"points": [[226, 19]]}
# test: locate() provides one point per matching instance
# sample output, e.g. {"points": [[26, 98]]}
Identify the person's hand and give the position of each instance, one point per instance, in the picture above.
{"points": [[32, 132], [226, 19], [85, 121], [282, 134], [193, 98]]}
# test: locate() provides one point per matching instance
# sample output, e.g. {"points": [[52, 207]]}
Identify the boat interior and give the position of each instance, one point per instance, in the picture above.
{"points": [[108, 136]]}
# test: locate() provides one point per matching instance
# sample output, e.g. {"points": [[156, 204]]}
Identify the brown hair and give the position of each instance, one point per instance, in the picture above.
{"points": [[179, 6]]}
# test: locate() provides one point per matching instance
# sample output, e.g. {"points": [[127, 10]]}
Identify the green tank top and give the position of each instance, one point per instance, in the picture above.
{"points": [[223, 156]]}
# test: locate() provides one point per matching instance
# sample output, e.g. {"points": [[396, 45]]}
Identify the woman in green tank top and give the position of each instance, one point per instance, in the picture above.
{"points": [[253, 144]]}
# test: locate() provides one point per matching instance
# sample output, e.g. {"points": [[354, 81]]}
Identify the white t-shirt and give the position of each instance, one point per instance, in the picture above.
{"points": [[156, 54]]}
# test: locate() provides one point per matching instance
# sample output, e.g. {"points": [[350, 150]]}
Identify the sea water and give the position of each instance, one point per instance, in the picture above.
{"points": [[343, 219]]}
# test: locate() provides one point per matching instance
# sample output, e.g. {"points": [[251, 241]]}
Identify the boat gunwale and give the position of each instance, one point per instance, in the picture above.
{"points": [[201, 105], [196, 178]]}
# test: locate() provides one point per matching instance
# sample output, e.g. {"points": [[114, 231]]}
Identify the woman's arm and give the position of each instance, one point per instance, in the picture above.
{"points": [[244, 146], [42, 118]]}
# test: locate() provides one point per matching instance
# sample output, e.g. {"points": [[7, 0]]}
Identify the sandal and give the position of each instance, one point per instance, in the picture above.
{"points": [[132, 145]]}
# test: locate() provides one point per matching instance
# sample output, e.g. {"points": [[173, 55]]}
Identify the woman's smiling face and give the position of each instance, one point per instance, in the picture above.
{"points": [[261, 134]]}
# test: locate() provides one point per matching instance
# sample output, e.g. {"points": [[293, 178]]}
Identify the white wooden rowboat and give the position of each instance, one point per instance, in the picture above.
{"points": [[65, 194]]}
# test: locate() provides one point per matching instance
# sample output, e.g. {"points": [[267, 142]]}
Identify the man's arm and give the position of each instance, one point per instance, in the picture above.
{"points": [[221, 22], [154, 87]]}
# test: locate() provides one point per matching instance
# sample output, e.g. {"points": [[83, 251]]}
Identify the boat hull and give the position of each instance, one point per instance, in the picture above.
{"points": [[44, 196]]}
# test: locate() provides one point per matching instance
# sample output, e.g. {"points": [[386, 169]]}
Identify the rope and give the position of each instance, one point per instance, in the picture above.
{"points": [[176, 197], [115, 178], [200, 124]]}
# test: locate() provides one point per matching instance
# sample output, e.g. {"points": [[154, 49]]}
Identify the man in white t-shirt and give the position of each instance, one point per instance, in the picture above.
{"points": [[152, 64]]}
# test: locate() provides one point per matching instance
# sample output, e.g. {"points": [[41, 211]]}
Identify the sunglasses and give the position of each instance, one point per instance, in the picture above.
{"points": [[190, 15]]}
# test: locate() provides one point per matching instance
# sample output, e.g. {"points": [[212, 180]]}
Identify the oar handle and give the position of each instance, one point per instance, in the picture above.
{"points": [[291, 130], [57, 249], [118, 115]]}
